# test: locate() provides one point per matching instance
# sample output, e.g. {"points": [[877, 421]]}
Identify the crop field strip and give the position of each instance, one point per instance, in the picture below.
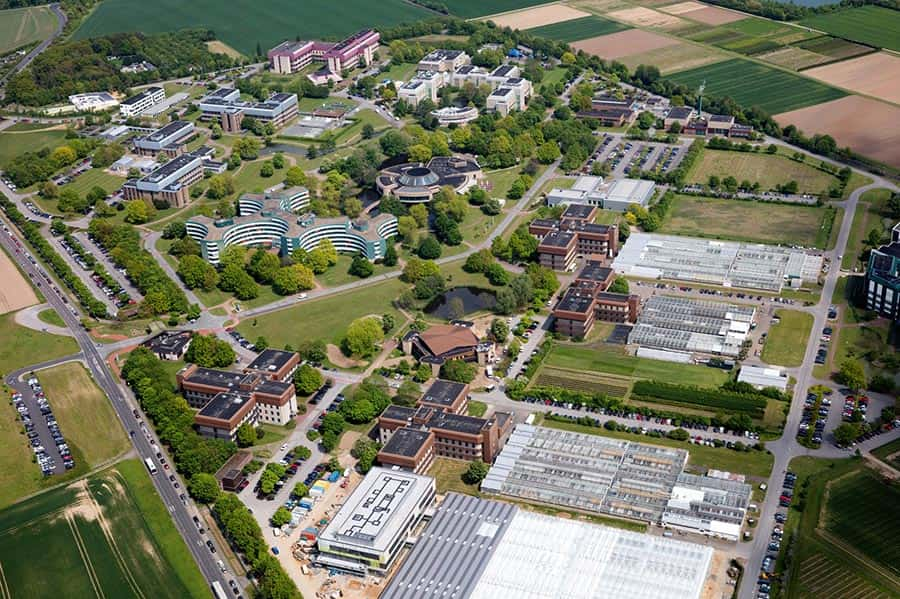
{"points": [[587, 382], [871, 25], [823, 578], [469, 9], [578, 29], [752, 84]]}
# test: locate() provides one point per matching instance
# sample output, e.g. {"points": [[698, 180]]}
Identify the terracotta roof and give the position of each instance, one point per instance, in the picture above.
{"points": [[440, 339]]}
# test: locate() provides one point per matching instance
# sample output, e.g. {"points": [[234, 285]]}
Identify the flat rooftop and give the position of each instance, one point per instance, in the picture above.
{"points": [[459, 423], [579, 211], [483, 549], [573, 301], [594, 271], [557, 239], [271, 360], [223, 406], [378, 509], [443, 392], [406, 442], [215, 378]]}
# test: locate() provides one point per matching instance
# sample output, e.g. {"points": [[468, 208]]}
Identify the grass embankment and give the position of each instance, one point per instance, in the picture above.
{"points": [[51, 317], [786, 341]]}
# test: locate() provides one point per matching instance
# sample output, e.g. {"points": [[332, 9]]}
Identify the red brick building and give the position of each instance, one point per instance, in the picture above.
{"points": [[574, 234], [588, 300]]}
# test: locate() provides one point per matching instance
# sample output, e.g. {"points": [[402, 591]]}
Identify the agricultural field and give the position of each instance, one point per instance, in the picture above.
{"points": [[23, 26], [538, 16], [246, 23], [13, 143], [870, 75], [79, 405], [767, 170], [708, 15], [840, 119], [744, 220], [840, 540], [106, 536], [679, 56], [871, 25], [468, 9], [794, 58], [786, 342], [645, 17], [753, 84], [599, 358], [17, 292], [577, 29], [586, 382], [624, 43], [834, 48]]}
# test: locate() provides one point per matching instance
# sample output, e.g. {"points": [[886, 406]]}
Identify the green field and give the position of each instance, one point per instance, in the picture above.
{"points": [[95, 177], [752, 84], [767, 170], [578, 29], [107, 536], [23, 346], [872, 25], [614, 361], [468, 9], [326, 318], [51, 317], [22, 26], [833, 47], [744, 220], [786, 342], [824, 565], [80, 405], [14, 143], [247, 22]]}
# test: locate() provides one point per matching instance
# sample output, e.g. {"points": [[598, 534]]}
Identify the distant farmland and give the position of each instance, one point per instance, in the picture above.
{"points": [[469, 9], [752, 84], [577, 29], [871, 25], [22, 26], [246, 23]]}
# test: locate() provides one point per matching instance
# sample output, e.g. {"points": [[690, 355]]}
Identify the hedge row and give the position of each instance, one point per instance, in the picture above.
{"points": [[32, 234], [717, 399]]}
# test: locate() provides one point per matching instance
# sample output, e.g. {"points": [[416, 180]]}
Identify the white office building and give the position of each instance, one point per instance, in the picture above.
{"points": [[139, 103]]}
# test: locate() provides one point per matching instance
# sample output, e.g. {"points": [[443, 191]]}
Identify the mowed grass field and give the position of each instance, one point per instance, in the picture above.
{"points": [[578, 29], [767, 170], [614, 361], [872, 25], [786, 342], [84, 412], [740, 220], [22, 26], [13, 143], [106, 536], [95, 177], [753, 84], [247, 22]]}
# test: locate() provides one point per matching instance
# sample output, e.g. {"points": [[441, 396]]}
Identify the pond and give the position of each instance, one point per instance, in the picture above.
{"points": [[459, 301]]}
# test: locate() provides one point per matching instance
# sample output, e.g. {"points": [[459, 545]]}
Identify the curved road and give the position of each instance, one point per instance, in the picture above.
{"points": [[61, 20]]}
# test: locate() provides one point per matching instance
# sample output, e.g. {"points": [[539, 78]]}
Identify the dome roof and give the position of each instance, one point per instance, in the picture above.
{"points": [[418, 176]]}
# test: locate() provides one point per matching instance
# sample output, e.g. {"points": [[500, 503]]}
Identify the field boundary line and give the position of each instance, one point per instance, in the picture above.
{"points": [[86, 560], [4, 585], [110, 538]]}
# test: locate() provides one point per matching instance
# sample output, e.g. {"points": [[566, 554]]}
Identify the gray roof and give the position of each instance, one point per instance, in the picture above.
{"points": [[452, 553]]}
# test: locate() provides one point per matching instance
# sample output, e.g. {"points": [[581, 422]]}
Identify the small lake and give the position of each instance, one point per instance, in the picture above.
{"points": [[459, 301]]}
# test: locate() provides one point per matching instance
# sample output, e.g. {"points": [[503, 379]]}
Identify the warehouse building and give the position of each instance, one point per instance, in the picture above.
{"points": [[690, 325], [375, 521], [708, 505], [715, 262], [483, 549], [762, 377], [615, 195]]}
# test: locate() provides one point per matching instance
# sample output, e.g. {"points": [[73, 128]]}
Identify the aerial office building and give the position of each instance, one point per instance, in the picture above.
{"points": [[375, 521], [575, 233], [225, 105], [170, 139], [138, 103], [291, 56], [169, 183], [414, 182], [883, 278]]}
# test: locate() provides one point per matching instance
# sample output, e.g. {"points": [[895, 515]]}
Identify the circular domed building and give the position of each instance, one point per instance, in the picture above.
{"points": [[414, 182]]}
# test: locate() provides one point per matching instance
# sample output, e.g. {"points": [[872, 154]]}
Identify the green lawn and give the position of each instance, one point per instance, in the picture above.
{"points": [[337, 275], [400, 72], [246, 24], [860, 341], [614, 361], [353, 132], [477, 408], [79, 405], [753, 463], [325, 318], [745, 220], [95, 177], [447, 476], [753, 84], [501, 181], [12, 144], [765, 169], [23, 346], [869, 215], [22, 26], [872, 25], [786, 342], [50, 316]]}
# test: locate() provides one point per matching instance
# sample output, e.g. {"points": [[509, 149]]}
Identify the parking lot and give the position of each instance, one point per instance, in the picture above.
{"points": [[119, 274], [623, 156], [42, 430]]}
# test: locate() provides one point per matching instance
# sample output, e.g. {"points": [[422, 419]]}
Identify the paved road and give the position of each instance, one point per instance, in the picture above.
{"points": [[123, 403], [61, 20]]}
